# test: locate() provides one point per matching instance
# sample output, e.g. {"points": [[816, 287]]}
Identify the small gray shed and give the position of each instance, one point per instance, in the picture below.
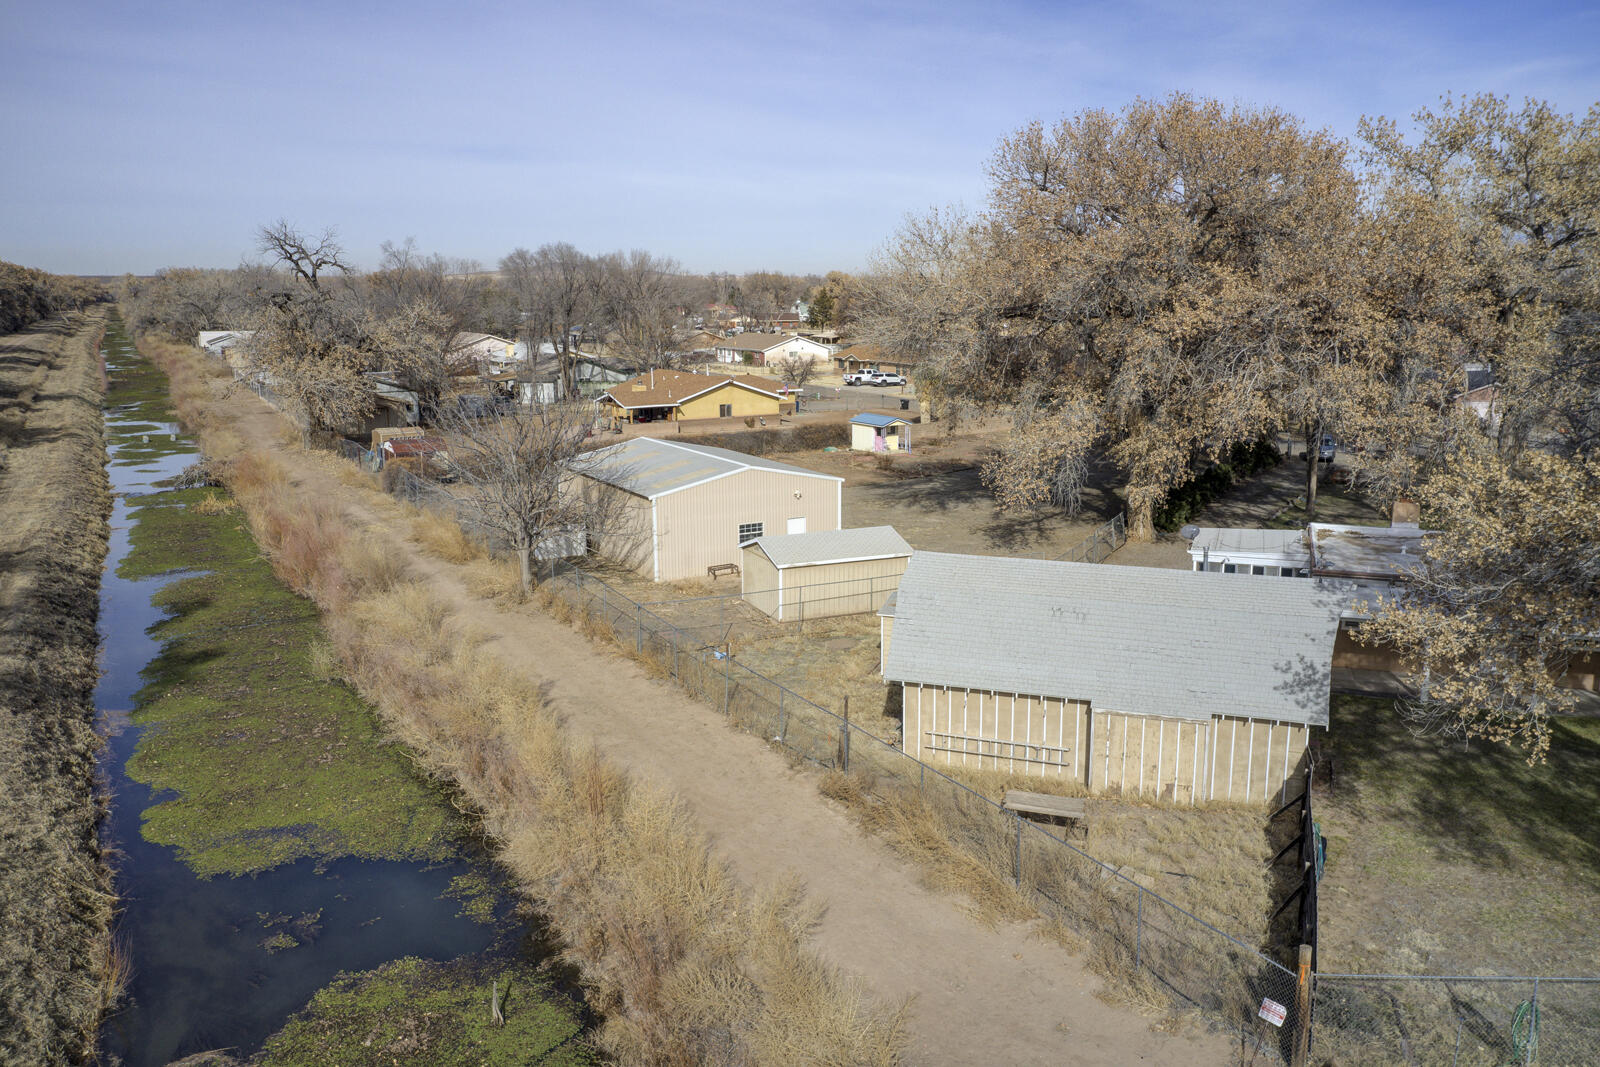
{"points": [[829, 572]]}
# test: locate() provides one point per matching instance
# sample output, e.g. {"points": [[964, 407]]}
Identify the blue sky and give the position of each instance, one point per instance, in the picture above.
{"points": [[730, 136]]}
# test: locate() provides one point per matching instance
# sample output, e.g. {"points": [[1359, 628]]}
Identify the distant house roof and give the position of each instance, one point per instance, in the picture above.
{"points": [[652, 468], [1140, 640], [1479, 376], [1221, 541], [669, 388], [760, 342], [870, 353], [872, 418], [1388, 553], [223, 338], [832, 546], [467, 340]]}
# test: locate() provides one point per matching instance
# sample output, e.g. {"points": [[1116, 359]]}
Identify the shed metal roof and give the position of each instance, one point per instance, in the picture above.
{"points": [[1390, 553], [1140, 640], [651, 467], [832, 546], [1220, 541], [872, 418]]}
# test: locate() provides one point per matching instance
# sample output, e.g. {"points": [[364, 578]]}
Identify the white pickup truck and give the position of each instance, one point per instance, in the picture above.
{"points": [[873, 377]]}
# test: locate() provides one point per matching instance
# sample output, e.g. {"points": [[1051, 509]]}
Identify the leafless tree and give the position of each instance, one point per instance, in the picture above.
{"points": [[558, 289], [305, 255], [795, 368], [644, 305], [516, 466]]}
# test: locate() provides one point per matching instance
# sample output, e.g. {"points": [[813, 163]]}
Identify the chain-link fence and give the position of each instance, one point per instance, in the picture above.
{"points": [[1106, 539], [1476, 1021]]}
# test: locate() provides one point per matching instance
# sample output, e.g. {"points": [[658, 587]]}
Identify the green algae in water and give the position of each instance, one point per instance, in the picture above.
{"points": [[413, 1011], [256, 758]]}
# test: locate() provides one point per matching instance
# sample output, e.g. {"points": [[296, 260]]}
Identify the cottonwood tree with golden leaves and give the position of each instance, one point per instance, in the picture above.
{"points": [[1505, 206], [1157, 284]]}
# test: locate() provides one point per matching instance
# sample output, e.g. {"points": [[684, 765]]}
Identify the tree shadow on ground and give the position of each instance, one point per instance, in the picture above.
{"points": [[1476, 803]]}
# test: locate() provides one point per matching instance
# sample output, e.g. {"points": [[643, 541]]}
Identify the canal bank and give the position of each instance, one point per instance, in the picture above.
{"points": [[56, 967], [276, 851]]}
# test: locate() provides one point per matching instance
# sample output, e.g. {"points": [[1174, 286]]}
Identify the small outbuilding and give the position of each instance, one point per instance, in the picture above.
{"points": [[1239, 550], [1128, 680], [673, 509], [872, 432], [795, 577]]}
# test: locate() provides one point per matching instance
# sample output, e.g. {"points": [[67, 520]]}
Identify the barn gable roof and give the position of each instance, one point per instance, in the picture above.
{"points": [[1139, 640], [652, 468], [832, 546]]}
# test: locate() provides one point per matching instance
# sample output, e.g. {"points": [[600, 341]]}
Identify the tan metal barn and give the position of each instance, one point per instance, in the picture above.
{"points": [[1129, 680], [830, 572], [680, 508]]}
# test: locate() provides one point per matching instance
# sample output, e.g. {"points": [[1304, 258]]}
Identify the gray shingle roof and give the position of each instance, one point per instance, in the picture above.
{"points": [[833, 546], [651, 467], [1132, 639]]}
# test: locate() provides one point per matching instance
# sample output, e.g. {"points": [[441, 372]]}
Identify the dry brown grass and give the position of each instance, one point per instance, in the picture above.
{"points": [[58, 971], [687, 966], [442, 536], [215, 504]]}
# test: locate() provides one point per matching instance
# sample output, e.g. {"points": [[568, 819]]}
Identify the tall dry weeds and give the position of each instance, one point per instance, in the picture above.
{"points": [[686, 965]]}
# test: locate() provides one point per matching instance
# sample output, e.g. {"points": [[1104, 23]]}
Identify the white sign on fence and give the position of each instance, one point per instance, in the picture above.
{"points": [[1272, 1011]]}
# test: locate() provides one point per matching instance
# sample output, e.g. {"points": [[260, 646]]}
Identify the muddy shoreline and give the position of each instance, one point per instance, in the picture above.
{"points": [[57, 968]]}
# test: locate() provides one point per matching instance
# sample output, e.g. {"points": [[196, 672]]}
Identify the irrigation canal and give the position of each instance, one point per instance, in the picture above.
{"points": [[221, 962]]}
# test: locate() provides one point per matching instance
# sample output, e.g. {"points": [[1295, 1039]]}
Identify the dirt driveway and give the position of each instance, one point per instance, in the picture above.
{"points": [[978, 994]]}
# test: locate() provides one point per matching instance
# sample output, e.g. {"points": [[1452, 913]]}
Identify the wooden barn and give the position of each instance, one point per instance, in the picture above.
{"points": [[676, 509], [794, 577], [1129, 680]]}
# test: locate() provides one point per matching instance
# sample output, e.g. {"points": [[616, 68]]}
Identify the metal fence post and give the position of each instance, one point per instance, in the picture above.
{"points": [[727, 676], [1531, 1042], [1138, 933], [638, 634], [1302, 1004], [783, 724], [1016, 852]]}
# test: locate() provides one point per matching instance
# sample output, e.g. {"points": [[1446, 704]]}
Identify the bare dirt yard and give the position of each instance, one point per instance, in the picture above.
{"points": [[979, 992]]}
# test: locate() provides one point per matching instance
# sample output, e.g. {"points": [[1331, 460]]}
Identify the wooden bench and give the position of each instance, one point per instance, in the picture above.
{"points": [[718, 569], [1053, 807]]}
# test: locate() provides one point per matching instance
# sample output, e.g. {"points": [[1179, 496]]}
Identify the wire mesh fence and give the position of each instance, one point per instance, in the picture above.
{"points": [[1487, 1021], [1104, 540]]}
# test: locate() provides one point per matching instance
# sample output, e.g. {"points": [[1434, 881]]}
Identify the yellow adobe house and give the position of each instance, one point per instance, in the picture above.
{"points": [[671, 395]]}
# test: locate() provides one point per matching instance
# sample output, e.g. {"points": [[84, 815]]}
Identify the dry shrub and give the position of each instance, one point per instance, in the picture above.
{"points": [[495, 579], [444, 537], [215, 504]]}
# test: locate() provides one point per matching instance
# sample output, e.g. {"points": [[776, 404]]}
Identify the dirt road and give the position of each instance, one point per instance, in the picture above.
{"points": [[979, 995]]}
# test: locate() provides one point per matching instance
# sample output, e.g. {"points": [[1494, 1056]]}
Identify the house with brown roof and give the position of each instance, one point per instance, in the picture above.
{"points": [[860, 357], [673, 395]]}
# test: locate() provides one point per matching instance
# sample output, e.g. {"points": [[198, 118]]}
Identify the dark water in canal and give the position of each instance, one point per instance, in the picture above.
{"points": [[201, 977]]}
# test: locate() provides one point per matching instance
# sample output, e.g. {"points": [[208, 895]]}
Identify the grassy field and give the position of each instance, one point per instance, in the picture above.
{"points": [[1445, 858], [265, 757]]}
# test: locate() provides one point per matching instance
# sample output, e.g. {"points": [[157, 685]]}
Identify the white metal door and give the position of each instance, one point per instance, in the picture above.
{"points": [[797, 525]]}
